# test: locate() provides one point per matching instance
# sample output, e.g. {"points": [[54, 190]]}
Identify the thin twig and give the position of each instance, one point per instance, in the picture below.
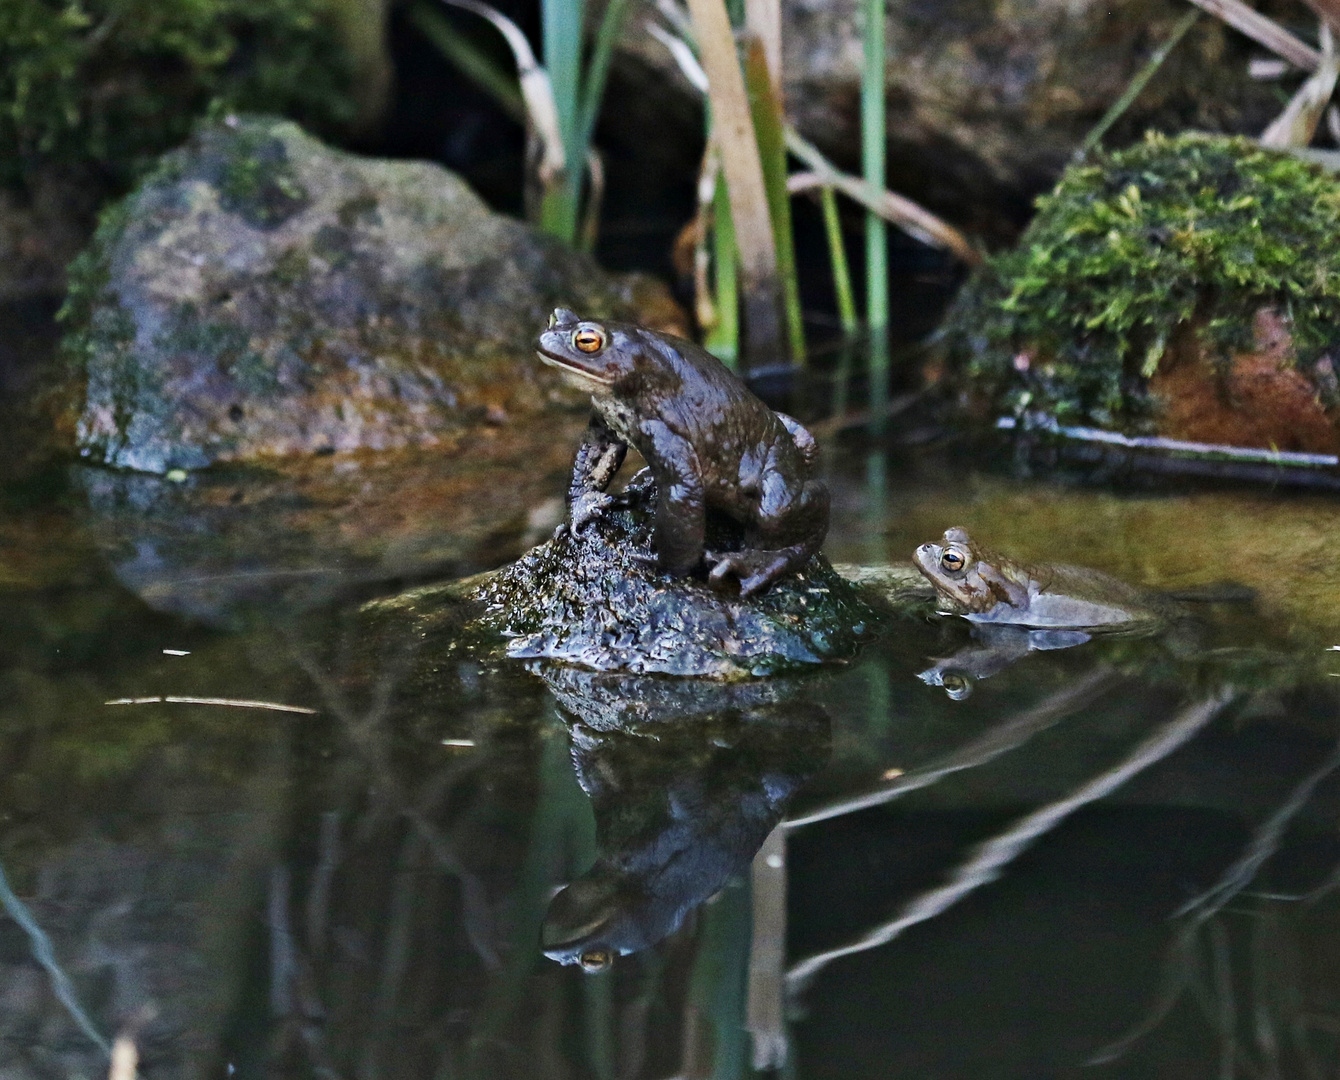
{"points": [[235, 703], [913, 219], [1137, 84], [1177, 446], [991, 858]]}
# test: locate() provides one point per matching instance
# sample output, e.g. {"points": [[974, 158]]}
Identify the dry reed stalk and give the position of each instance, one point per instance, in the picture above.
{"points": [[743, 166]]}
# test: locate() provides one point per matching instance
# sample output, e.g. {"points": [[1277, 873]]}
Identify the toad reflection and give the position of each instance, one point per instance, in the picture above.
{"points": [[993, 649], [686, 779]]}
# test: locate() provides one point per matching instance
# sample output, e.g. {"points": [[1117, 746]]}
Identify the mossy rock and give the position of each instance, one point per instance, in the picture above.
{"points": [[1172, 248], [92, 91], [597, 601], [261, 294], [112, 83]]}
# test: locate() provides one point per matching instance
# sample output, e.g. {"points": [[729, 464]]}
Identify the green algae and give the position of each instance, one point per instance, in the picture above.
{"points": [[256, 179], [1187, 233], [111, 83]]}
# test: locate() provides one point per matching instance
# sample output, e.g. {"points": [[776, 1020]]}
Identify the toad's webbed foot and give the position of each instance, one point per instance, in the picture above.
{"points": [[755, 570], [586, 508]]}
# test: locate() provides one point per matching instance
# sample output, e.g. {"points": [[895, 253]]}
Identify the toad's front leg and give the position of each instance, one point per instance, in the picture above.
{"points": [[598, 459]]}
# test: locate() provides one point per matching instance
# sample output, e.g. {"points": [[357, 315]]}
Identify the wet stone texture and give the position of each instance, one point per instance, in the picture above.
{"points": [[597, 600], [261, 294]]}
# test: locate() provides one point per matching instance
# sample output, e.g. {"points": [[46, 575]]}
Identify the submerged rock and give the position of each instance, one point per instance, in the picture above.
{"points": [[597, 600], [261, 294], [1187, 287]]}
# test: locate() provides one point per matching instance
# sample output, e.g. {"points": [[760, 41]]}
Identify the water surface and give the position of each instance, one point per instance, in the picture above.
{"points": [[1114, 860]]}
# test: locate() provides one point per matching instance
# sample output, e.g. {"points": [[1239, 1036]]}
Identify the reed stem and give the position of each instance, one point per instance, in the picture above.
{"points": [[561, 23], [837, 254], [769, 124], [872, 163], [724, 340]]}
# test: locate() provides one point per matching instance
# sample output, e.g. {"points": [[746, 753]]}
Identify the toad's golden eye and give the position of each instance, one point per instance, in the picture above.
{"points": [[953, 561], [594, 960], [956, 686], [588, 339]]}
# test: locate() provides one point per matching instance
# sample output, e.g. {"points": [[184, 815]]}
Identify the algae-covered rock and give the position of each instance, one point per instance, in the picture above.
{"points": [[597, 600], [1187, 286], [91, 92], [261, 294]]}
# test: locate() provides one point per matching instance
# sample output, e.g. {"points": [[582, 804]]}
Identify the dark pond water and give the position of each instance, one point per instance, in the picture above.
{"points": [[1113, 860]]}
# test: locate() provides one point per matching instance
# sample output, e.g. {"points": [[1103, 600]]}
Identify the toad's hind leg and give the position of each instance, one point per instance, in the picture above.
{"points": [[804, 522]]}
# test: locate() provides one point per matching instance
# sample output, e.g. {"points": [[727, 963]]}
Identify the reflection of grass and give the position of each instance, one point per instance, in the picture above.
{"points": [[562, 822], [1200, 962], [715, 1009]]}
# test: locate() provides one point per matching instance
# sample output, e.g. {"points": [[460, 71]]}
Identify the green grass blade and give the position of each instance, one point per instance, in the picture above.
{"points": [[597, 70], [769, 126], [724, 339], [837, 254], [872, 164], [562, 22], [473, 62], [1137, 84]]}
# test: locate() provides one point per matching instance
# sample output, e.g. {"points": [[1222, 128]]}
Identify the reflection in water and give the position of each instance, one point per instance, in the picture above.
{"points": [[994, 648], [687, 778], [362, 893], [991, 858], [1199, 917], [45, 955]]}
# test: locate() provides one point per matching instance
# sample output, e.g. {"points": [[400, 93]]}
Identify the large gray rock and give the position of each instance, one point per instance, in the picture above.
{"points": [[261, 294]]}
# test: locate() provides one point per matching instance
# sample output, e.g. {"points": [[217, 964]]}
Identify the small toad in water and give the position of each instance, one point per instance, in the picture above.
{"points": [[985, 587], [708, 441]]}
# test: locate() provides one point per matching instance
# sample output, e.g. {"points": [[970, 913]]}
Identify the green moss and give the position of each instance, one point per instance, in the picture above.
{"points": [[1193, 231], [111, 83], [85, 300], [255, 178]]}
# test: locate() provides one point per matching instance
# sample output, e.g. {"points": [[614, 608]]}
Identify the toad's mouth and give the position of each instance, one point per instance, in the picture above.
{"points": [[582, 376]]}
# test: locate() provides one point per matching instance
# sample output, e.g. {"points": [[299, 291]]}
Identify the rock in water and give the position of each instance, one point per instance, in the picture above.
{"points": [[1186, 287], [597, 600], [261, 294]]}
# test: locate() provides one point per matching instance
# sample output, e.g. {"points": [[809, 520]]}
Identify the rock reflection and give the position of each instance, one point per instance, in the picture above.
{"points": [[686, 779]]}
